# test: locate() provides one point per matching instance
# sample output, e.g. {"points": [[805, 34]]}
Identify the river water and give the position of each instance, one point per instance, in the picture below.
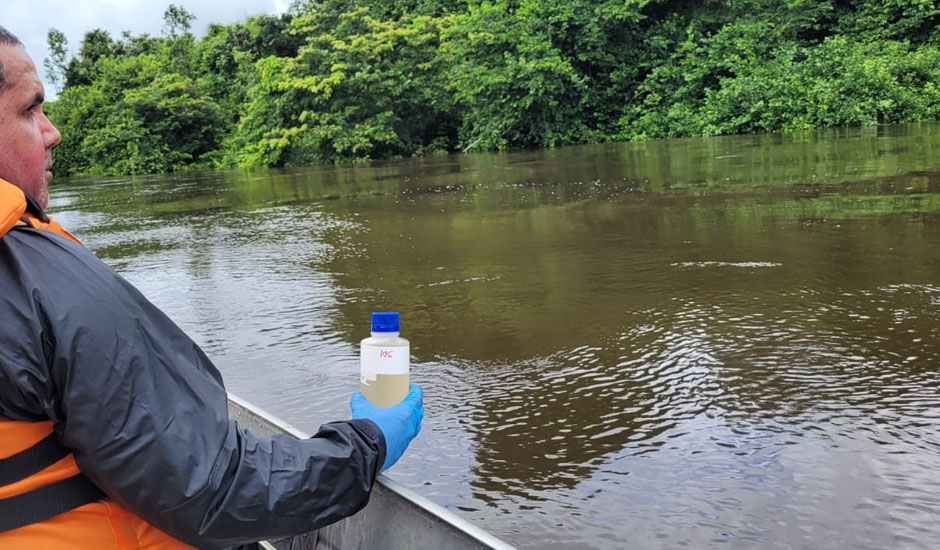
{"points": [[706, 343]]}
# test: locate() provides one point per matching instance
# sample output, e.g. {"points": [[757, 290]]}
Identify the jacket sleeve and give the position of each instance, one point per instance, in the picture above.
{"points": [[145, 413]]}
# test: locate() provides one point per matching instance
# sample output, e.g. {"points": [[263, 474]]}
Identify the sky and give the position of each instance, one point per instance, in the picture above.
{"points": [[31, 20]]}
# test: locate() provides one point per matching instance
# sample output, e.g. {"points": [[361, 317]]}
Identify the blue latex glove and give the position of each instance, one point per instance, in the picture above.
{"points": [[399, 424]]}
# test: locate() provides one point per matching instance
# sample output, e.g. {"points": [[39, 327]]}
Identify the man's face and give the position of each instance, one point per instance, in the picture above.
{"points": [[26, 135]]}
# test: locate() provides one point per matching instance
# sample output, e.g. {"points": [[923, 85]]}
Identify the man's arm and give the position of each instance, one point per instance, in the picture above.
{"points": [[145, 412]]}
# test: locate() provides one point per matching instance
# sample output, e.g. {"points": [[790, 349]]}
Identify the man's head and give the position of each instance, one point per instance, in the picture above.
{"points": [[26, 135]]}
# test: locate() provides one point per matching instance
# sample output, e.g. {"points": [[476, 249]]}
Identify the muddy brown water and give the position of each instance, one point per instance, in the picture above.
{"points": [[703, 343]]}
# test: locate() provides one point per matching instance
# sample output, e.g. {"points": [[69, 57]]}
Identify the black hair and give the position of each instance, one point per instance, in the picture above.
{"points": [[6, 37]]}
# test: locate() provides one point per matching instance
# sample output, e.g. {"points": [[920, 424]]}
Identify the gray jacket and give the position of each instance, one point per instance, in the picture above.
{"points": [[144, 410]]}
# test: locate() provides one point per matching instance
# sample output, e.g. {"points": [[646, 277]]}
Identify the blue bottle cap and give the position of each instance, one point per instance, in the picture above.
{"points": [[385, 321]]}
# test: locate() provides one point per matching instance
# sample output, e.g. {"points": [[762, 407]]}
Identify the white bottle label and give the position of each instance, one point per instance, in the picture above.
{"points": [[375, 360]]}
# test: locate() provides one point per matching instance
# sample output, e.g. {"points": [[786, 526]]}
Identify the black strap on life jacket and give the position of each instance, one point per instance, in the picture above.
{"points": [[46, 501], [32, 206]]}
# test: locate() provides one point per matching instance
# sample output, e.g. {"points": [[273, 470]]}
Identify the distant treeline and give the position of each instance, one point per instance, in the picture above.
{"points": [[344, 80]]}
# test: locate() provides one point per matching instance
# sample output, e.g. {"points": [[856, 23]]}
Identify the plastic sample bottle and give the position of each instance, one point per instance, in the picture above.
{"points": [[384, 360]]}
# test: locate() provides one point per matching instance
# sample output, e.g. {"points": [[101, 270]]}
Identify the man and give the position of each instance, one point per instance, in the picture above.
{"points": [[114, 432]]}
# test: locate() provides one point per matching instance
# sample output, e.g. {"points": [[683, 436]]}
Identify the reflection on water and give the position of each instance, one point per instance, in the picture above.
{"points": [[727, 342]]}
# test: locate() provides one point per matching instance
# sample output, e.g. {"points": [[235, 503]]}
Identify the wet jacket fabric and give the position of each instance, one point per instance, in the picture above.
{"points": [[144, 412]]}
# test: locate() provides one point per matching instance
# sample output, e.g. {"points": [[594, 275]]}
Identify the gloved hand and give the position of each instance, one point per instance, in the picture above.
{"points": [[399, 424]]}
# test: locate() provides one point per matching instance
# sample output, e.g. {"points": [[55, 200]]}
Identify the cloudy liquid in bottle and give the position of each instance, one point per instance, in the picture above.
{"points": [[384, 360]]}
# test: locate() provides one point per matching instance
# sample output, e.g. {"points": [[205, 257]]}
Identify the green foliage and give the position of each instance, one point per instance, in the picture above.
{"points": [[159, 127], [738, 81], [915, 20], [348, 80], [177, 21], [512, 85], [359, 88], [96, 44], [381, 9], [57, 62], [142, 121]]}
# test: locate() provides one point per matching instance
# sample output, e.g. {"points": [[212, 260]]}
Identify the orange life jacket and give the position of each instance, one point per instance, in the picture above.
{"points": [[100, 525]]}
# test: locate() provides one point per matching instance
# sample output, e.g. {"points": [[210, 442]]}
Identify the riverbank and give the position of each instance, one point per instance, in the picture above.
{"points": [[323, 85]]}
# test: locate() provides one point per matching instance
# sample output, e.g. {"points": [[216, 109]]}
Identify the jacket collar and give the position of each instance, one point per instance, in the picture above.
{"points": [[14, 204]]}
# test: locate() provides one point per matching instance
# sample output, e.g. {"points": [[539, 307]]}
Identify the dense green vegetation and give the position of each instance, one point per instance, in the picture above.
{"points": [[342, 80]]}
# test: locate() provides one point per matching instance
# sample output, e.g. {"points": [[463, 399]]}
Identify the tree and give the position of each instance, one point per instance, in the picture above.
{"points": [[359, 88], [96, 45], [57, 63], [177, 21], [346, 80], [180, 43], [513, 86]]}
